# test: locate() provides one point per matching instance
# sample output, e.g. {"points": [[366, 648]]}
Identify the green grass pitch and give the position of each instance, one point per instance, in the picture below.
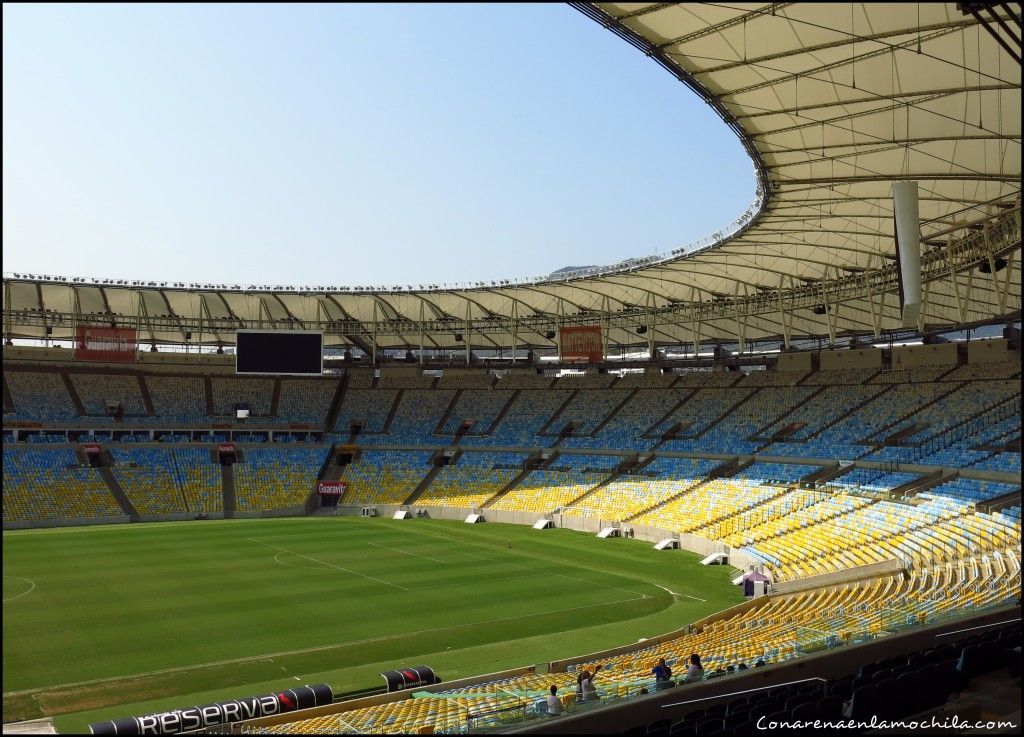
{"points": [[112, 621]]}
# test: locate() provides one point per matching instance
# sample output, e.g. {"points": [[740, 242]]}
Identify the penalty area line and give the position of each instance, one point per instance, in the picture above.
{"points": [[330, 565]]}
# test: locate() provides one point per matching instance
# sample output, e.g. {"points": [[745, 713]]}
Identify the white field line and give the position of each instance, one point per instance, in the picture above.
{"points": [[548, 573], [409, 552], [23, 593], [331, 565], [277, 559], [674, 593], [320, 648]]}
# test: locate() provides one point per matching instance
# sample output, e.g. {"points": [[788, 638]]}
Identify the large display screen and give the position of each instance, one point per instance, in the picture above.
{"points": [[279, 352]]}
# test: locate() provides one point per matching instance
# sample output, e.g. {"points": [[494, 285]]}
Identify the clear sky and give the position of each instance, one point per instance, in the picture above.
{"points": [[347, 144]]}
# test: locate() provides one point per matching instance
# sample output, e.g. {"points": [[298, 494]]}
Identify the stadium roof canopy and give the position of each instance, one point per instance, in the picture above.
{"points": [[833, 102]]}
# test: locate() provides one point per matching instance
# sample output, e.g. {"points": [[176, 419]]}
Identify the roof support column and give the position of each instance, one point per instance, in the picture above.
{"points": [[373, 337], [924, 308], [1004, 293], [558, 328], [785, 317], [606, 321], [955, 280], [7, 311], [969, 296], [876, 315], [199, 345], [469, 326], [991, 260], [741, 327], [831, 310], [514, 325], [138, 315], [422, 338], [694, 323], [650, 327], [76, 303]]}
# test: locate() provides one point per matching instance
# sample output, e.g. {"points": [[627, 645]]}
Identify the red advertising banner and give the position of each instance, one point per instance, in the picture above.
{"points": [[337, 488], [226, 448], [99, 343], [581, 344], [92, 448]]}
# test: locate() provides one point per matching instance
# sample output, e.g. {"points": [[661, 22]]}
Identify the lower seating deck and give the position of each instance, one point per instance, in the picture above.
{"points": [[775, 629]]}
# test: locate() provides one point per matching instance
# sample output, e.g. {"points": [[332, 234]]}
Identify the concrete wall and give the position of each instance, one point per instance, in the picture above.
{"points": [[402, 371], [465, 371], [856, 358], [837, 578], [296, 511], [70, 522], [206, 363], [990, 351], [794, 362], [912, 356]]}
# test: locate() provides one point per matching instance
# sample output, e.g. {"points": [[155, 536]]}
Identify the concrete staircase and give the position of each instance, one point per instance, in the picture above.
{"points": [[723, 470], [118, 493], [608, 418], [533, 463], [72, 392], [336, 402], [545, 428], [439, 428], [649, 432], [275, 396], [504, 411], [423, 485], [386, 428], [147, 398], [208, 396], [227, 477]]}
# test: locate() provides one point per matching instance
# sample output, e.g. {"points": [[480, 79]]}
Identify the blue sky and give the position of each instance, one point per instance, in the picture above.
{"points": [[352, 144]]}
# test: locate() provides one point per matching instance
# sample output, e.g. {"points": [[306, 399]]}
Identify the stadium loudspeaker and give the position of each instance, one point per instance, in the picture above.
{"points": [[908, 249], [986, 268], [549, 334]]}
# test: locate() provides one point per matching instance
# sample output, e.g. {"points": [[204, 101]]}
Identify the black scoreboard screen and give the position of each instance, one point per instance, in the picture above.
{"points": [[278, 352]]}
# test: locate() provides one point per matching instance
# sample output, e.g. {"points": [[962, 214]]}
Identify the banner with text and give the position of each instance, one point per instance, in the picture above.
{"points": [[220, 713], [581, 344], [337, 488], [99, 343]]}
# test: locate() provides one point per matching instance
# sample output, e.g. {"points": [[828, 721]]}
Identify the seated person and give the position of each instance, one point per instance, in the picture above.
{"points": [[554, 703]]}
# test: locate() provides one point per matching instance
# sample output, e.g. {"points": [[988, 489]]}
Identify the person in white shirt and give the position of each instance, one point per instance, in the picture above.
{"points": [[554, 703], [694, 671], [585, 690]]}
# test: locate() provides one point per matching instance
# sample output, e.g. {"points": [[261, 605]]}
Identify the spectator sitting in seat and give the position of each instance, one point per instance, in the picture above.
{"points": [[662, 674], [554, 703], [694, 671]]}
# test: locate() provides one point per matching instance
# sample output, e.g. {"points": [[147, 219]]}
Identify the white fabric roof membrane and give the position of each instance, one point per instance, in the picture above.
{"points": [[833, 101]]}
